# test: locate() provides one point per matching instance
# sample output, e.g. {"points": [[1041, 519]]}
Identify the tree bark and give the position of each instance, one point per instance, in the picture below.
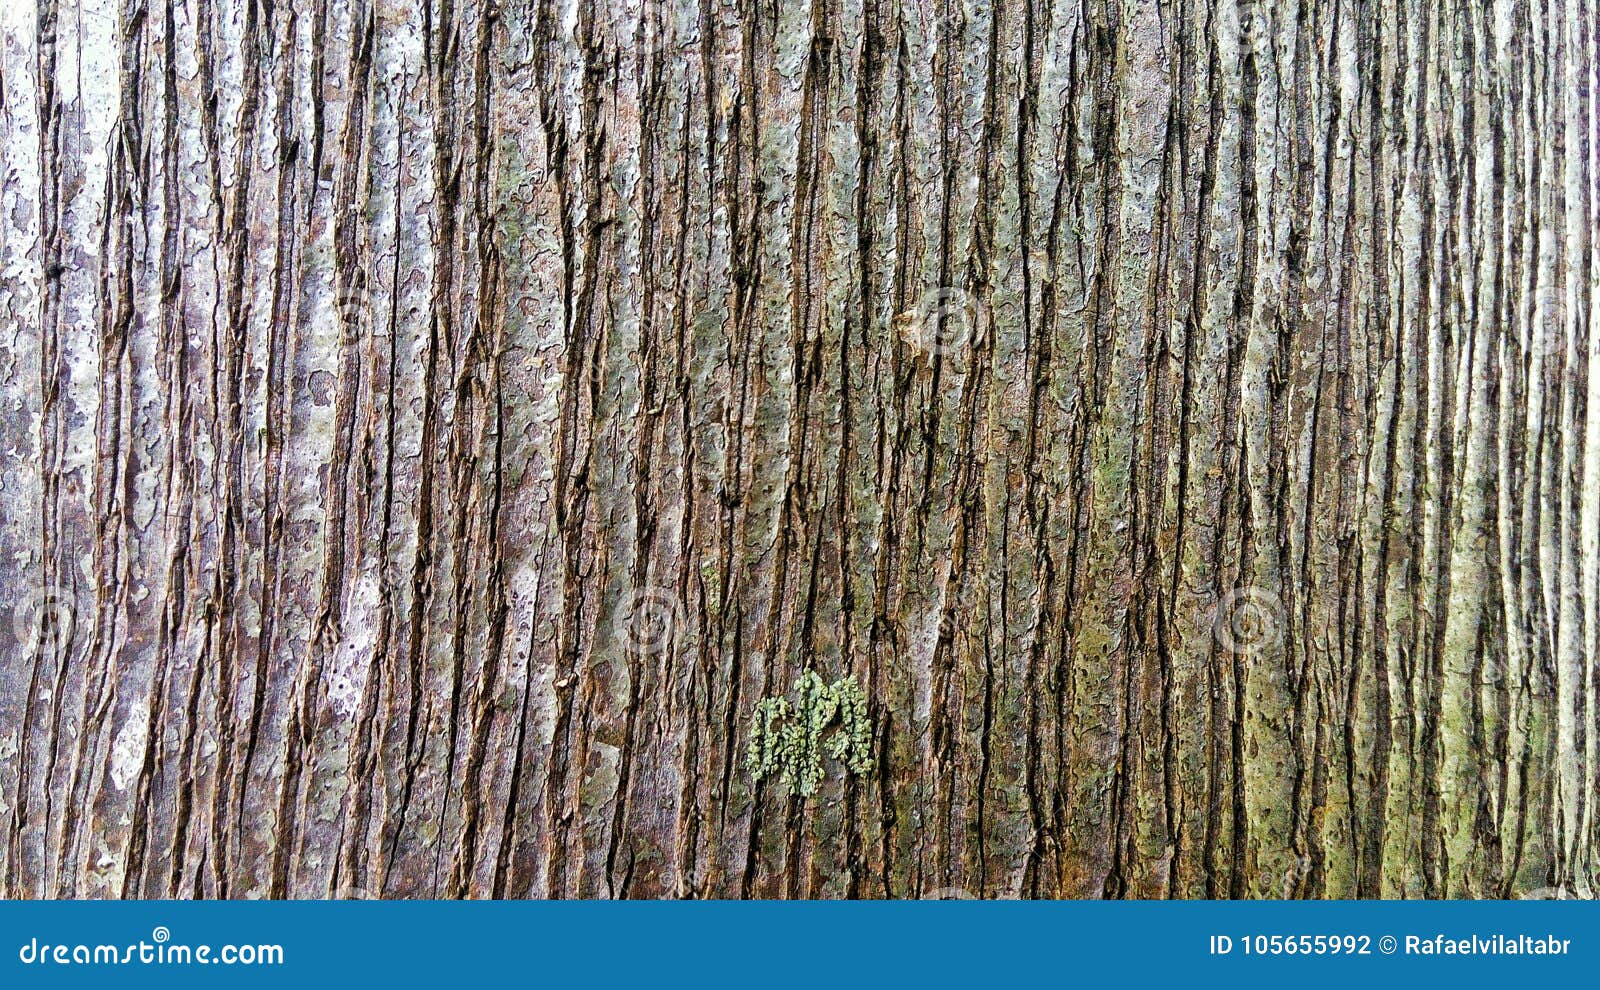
{"points": [[432, 427]]}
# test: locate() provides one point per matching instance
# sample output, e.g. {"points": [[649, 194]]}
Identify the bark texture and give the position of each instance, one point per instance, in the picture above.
{"points": [[432, 427]]}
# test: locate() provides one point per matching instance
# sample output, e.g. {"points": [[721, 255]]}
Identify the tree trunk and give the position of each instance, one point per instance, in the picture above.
{"points": [[433, 427]]}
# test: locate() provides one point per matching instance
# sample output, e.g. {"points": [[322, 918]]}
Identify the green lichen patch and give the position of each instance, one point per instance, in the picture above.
{"points": [[792, 739]]}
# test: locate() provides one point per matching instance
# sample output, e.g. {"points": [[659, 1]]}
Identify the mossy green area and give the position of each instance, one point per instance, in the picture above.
{"points": [[825, 720]]}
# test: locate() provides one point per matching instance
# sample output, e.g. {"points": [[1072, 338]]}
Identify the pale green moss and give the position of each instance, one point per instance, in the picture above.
{"points": [[792, 739]]}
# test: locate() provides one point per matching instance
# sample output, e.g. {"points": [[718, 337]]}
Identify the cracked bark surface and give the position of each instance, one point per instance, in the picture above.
{"points": [[431, 427]]}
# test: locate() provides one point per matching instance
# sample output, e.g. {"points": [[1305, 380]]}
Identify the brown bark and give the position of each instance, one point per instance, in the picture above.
{"points": [[432, 427]]}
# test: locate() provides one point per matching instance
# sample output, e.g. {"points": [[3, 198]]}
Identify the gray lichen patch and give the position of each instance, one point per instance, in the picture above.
{"points": [[791, 739]]}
